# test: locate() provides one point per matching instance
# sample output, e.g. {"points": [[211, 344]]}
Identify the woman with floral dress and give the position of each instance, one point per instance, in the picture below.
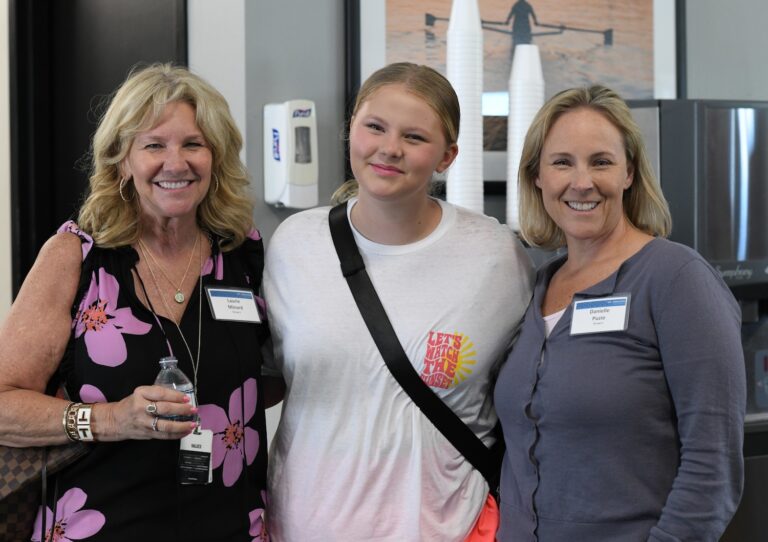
{"points": [[164, 234]]}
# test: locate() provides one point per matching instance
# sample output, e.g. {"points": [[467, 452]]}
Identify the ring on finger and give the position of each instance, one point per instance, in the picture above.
{"points": [[151, 408], [154, 423]]}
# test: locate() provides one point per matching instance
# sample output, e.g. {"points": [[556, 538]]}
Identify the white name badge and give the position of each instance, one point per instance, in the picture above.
{"points": [[234, 304], [600, 315], [194, 466]]}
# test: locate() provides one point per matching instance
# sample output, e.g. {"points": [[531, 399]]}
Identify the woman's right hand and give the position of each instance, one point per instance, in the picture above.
{"points": [[133, 416]]}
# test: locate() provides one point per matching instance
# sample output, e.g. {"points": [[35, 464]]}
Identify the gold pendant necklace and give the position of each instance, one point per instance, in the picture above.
{"points": [[179, 295], [194, 361]]}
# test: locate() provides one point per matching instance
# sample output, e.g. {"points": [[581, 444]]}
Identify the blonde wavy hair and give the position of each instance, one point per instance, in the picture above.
{"points": [[643, 202], [137, 105], [422, 81]]}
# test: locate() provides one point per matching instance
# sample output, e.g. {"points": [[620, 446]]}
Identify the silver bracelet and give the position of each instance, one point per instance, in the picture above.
{"points": [[83, 418]]}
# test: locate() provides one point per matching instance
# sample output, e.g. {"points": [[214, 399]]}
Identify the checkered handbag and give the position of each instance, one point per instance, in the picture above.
{"points": [[20, 484]]}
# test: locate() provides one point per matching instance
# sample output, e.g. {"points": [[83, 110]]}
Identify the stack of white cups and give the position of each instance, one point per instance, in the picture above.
{"points": [[465, 72], [526, 96]]}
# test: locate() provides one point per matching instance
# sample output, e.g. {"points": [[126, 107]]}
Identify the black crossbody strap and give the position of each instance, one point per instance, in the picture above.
{"points": [[441, 416]]}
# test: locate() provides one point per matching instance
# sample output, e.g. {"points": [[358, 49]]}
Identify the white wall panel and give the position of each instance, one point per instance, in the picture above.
{"points": [[257, 52], [727, 48], [5, 166]]}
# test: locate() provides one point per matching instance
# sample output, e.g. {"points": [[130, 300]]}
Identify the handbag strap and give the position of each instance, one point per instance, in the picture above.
{"points": [[375, 317]]}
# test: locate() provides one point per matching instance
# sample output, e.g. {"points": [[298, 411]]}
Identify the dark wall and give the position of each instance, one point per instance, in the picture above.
{"points": [[67, 57]]}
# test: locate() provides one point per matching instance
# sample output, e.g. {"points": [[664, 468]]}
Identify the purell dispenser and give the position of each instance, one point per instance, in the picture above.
{"points": [[290, 154]]}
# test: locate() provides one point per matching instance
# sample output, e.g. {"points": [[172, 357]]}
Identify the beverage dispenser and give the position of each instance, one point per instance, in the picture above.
{"points": [[714, 173]]}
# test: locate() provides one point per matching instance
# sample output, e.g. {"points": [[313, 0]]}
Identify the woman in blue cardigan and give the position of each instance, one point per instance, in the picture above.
{"points": [[623, 400]]}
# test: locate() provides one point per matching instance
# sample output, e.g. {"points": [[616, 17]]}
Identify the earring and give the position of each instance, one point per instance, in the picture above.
{"points": [[123, 181]]}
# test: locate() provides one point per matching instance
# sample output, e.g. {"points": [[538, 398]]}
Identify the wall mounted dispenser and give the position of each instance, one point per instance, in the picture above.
{"points": [[290, 154]]}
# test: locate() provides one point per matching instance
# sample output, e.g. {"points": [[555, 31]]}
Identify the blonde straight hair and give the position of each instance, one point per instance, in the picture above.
{"points": [[643, 202]]}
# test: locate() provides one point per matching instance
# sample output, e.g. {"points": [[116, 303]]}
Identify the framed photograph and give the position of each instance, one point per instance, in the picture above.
{"points": [[628, 45]]}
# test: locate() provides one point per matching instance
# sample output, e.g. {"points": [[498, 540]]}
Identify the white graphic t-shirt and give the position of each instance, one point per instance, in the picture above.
{"points": [[354, 458]]}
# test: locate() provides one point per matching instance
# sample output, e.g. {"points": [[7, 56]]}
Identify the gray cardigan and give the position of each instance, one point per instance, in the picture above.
{"points": [[630, 435]]}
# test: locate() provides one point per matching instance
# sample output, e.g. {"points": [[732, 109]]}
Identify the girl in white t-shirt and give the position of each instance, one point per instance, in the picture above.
{"points": [[353, 457]]}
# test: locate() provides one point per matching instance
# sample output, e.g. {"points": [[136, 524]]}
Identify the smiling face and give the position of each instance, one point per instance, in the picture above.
{"points": [[583, 174], [170, 164], [396, 143]]}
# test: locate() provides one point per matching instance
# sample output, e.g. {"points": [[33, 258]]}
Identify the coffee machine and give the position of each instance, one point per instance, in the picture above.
{"points": [[713, 164]]}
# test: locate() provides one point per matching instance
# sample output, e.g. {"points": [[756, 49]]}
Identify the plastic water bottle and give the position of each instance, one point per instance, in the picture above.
{"points": [[170, 376]]}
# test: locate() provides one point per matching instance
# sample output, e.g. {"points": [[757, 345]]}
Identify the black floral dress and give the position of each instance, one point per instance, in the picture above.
{"points": [[128, 490]]}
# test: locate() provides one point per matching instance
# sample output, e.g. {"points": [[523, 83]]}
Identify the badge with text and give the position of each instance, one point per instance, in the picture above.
{"points": [[195, 458], [234, 304], [600, 315]]}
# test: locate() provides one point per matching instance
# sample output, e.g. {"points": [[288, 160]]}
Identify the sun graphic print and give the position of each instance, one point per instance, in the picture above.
{"points": [[466, 360], [449, 359]]}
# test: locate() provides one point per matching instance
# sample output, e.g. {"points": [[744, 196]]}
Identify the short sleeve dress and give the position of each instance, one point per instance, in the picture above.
{"points": [[128, 490]]}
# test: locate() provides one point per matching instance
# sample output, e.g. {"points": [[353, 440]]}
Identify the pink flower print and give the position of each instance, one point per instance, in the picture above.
{"points": [[233, 441], [209, 264], [261, 306], [258, 525], [72, 522], [91, 394], [104, 324], [85, 239], [218, 262]]}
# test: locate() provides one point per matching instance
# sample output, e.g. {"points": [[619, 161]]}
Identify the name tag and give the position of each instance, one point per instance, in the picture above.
{"points": [[234, 304], [194, 466], [600, 315]]}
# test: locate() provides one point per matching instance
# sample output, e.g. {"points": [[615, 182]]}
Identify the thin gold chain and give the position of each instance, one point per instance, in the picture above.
{"points": [[179, 297], [194, 361]]}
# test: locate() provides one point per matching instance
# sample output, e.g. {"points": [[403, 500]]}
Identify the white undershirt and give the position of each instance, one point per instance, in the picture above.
{"points": [[551, 320]]}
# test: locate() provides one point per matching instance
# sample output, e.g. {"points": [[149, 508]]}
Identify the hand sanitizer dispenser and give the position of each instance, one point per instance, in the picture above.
{"points": [[290, 154]]}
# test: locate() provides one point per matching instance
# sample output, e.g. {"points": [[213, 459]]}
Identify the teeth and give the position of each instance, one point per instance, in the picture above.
{"points": [[173, 184], [582, 205]]}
